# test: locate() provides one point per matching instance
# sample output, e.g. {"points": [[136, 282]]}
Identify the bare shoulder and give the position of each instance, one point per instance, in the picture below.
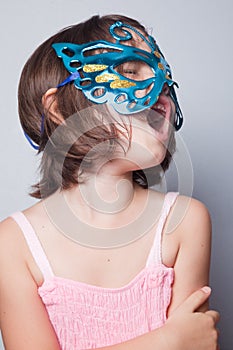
{"points": [[11, 236], [11, 239], [13, 249], [188, 215], [195, 207]]}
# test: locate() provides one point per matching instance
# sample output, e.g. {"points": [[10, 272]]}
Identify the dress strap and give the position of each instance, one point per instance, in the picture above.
{"points": [[155, 256], [33, 244]]}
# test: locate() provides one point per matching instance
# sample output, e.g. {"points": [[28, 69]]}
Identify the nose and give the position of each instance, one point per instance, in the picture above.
{"points": [[166, 89], [144, 92]]}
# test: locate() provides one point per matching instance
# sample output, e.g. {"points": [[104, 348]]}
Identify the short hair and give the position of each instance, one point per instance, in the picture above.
{"points": [[43, 71]]}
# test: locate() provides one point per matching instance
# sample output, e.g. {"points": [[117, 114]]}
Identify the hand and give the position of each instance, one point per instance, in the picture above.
{"points": [[187, 329]]}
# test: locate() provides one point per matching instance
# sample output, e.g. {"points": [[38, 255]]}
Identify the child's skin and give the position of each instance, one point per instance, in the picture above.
{"points": [[186, 247]]}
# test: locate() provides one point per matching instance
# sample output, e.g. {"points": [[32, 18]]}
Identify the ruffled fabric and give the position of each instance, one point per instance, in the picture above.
{"points": [[87, 317]]}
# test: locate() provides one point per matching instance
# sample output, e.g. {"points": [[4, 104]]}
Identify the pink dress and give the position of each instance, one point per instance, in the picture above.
{"points": [[88, 317]]}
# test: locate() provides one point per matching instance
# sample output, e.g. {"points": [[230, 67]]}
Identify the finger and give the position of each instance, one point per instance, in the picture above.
{"points": [[196, 299], [214, 314]]}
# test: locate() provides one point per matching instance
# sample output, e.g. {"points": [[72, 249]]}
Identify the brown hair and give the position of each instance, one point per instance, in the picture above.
{"points": [[43, 71]]}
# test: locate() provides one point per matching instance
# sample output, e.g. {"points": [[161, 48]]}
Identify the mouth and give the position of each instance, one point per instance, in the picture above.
{"points": [[159, 118]]}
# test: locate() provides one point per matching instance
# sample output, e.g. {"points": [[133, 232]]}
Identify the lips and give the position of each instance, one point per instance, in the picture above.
{"points": [[159, 117], [156, 118]]}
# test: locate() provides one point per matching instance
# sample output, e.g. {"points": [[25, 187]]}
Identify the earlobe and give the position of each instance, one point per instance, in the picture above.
{"points": [[50, 104]]}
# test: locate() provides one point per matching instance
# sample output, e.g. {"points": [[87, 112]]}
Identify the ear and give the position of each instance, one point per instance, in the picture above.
{"points": [[50, 104]]}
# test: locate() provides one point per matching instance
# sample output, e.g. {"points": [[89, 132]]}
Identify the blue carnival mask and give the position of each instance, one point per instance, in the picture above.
{"points": [[112, 74]]}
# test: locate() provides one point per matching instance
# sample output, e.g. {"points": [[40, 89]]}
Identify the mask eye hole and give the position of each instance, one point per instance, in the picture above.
{"points": [[135, 70]]}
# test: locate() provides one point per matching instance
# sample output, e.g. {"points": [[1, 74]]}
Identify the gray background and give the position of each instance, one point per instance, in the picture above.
{"points": [[196, 37]]}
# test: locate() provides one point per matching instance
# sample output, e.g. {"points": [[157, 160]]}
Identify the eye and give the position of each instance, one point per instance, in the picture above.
{"points": [[127, 69], [129, 72], [135, 70]]}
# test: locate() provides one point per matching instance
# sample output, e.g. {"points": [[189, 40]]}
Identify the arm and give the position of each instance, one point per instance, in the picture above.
{"points": [[184, 330], [193, 236], [24, 321]]}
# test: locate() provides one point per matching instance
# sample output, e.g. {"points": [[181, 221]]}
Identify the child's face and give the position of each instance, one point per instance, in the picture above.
{"points": [[151, 129], [150, 132], [128, 72], [134, 84]]}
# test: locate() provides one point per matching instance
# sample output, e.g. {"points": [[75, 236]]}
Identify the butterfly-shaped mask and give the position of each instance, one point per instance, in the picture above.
{"points": [[114, 73]]}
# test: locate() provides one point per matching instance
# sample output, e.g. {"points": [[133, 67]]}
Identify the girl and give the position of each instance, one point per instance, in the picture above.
{"points": [[102, 261]]}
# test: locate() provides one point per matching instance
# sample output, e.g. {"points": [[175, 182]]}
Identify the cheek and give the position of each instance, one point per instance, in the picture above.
{"points": [[145, 148]]}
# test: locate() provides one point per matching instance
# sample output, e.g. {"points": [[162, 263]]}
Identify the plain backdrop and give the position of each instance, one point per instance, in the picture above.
{"points": [[196, 38]]}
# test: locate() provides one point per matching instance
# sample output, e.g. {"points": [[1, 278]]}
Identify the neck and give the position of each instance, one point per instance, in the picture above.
{"points": [[104, 198], [107, 193], [104, 211]]}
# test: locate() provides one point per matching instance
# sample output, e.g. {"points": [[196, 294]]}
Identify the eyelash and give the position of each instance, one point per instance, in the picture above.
{"points": [[129, 71]]}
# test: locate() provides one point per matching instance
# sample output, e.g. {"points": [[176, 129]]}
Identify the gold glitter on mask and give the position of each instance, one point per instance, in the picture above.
{"points": [[157, 54], [89, 68], [117, 84], [161, 66], [104, 78]]}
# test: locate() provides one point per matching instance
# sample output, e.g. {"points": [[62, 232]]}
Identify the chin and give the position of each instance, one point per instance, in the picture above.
{"points": [[159, 154], [151, 162]]}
